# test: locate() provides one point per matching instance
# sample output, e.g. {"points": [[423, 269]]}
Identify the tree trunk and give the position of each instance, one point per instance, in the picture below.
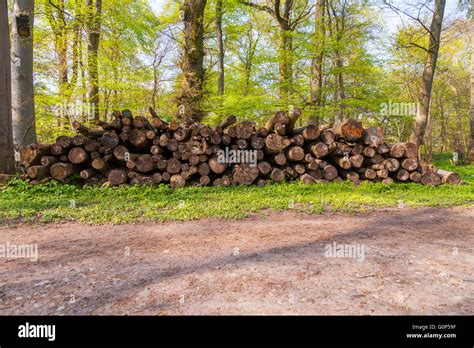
{"points": [[23, 106], [444, 127], [56, 19], [341, 95], [220, 49], [285, 62], [458, 143], [93, 24], [287, 25], [191, 93], [317, 61], [7, 163], [421, 119], [471, 111], [154, 94]]}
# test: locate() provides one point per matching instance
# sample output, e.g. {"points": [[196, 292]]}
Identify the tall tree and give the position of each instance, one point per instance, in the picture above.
{"points": [[56, 17], [7, 164], [220, 49], [92, 25], [242, 43], [317, 61], [192, 58], [471, 110], [337, 15], [23, 106], [424, 94], [288, 17]]}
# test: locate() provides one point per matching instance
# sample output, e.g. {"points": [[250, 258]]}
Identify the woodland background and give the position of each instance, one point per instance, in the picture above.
{"points": [[332, 58]]}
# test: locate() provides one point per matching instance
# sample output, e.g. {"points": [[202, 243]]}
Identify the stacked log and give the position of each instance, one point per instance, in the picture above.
{"points": [[148, 151]]}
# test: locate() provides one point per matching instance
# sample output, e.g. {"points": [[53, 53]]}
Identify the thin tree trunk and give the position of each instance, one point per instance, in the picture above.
{"points": [[220, 49], [93, 25], [7, 163], [248, 72], [248, 57], [23, 104], [285, 62], [341, 95], [57, 22], [458, 143], [419, 125], [77, 37], [317, 61], [287, 25], [444, 126], [191, 93], [83, 79], [155, 88], [429, 137]]}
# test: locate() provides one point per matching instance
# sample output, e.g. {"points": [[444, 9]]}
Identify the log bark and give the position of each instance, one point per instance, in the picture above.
{"points": [[350, 130], [307, 179], [48, 160], [137, 138], [194, 154], [31, 155], [295, 153], [117, 177], [173, 166], [61, 170], [176, 181], [319, 149], [78, 155], [402, 175], [343, 162], [38, 172], [276, 143], [397, 150], [245, 174], [374, 136], [410, 164], [329, 172], [392, 164], [87, 173], [229, 121], [415, 177], [277, 175], [216, 166], [144, 163], [448, 177], [430, 178]]}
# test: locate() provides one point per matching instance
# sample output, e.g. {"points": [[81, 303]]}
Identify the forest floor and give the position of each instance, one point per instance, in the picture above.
{"points": [[409, 261], [56, 203]]}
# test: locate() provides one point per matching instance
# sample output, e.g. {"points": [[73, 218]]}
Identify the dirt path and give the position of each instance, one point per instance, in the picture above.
{"points": [[413, 262]]}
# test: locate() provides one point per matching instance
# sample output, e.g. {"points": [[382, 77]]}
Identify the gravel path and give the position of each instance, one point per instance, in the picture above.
{"points": [[405, 261]]}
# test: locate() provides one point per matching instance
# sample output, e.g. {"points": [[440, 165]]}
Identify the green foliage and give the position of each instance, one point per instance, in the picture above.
{"points": [[139, 65], [57, 202]]}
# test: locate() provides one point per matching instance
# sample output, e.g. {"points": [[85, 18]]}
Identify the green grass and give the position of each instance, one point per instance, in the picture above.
{"points": [[57, 202]]}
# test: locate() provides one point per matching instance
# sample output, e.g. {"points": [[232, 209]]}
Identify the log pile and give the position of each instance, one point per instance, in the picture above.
{"points": [[137, 150]]}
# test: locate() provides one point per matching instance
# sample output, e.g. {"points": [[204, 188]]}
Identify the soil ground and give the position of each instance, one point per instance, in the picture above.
{"points": [[414, 261]]}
